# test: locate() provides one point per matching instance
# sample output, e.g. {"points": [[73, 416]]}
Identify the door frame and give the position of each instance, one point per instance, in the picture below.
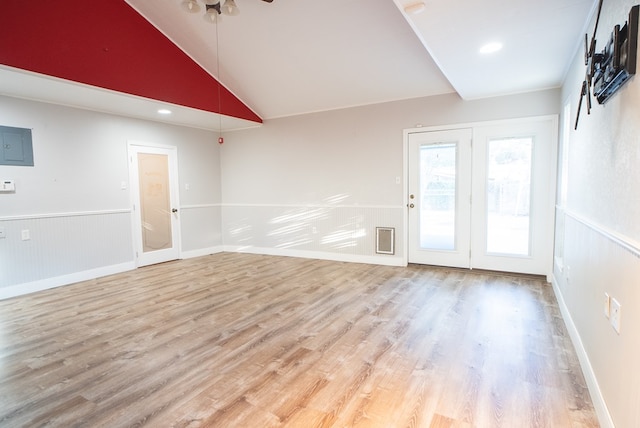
{"points": [[549, 228], [134, 196]]}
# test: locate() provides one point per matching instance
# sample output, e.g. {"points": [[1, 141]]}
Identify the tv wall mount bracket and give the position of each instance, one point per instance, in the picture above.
{"points": [[612, 67]]}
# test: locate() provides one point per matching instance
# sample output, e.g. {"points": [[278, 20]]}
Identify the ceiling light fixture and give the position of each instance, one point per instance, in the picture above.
{"points": [[191, 6], [415, 8], [230, 8], [491, 48], [213, 8]]}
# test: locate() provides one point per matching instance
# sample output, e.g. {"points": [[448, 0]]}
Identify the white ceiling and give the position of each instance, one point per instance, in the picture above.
{"points": [[298, 56], [293, 57], [539, 40]]}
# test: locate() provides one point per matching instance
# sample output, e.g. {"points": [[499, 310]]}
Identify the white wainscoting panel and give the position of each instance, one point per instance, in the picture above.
{"points": [[63, 244], [201, 234], [320, 231], [596, 261]]}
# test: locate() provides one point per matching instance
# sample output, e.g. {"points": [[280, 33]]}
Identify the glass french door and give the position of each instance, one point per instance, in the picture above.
{"points": [[439, 197], [514, 195], [486, 205]]}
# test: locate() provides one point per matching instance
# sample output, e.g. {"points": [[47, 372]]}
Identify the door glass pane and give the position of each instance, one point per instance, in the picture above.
{"points": [[437, 196], [509, 195], [154, 201]]}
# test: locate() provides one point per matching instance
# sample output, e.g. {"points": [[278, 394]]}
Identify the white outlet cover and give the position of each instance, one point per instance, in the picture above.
{"points": [[616, 315]]}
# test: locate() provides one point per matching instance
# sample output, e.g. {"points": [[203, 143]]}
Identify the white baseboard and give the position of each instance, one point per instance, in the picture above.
{"points": [[58, 281], [604, 417], [321, 255], [202, 252]]}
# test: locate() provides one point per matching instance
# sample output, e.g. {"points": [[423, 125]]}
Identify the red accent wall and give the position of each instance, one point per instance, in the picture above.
{"points": [[106, 43]]}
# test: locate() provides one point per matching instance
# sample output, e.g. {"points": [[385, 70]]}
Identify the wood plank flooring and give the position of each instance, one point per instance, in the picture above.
{"points": [[238, 340]]}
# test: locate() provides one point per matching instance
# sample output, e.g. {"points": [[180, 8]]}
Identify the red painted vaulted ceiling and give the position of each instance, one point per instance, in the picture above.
{"points": [[109, 45]]}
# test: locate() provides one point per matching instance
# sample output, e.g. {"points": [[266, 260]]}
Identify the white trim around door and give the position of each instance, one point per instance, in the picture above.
{"points": [[168, 215], [529, 147]]}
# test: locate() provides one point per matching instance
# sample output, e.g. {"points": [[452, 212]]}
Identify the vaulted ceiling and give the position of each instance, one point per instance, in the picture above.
{"points": [[282, 58]]}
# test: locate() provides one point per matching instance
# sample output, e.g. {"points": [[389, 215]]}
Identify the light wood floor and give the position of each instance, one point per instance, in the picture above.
{"points": [[236, 340]]}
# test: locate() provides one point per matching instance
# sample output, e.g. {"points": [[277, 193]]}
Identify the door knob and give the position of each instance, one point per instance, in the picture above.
{"points": [[411, 206], [174, 210]]}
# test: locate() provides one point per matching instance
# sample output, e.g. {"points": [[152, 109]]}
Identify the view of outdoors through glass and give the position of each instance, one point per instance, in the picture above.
{"points": [[438, 193], [509, 195]]}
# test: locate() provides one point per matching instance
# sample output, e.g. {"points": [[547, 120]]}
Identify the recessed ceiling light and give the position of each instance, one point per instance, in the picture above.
{"points": [[164, 111], [491, 48]]}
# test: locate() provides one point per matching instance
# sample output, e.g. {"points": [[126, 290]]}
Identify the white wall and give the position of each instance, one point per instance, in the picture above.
{"points": [[313, 186], [72, 203], [598, 236], [318, 185]]}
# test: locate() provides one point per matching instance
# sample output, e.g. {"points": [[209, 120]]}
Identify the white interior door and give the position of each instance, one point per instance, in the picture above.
{"points": [[155, 203], [487, 204], [439, 197]]}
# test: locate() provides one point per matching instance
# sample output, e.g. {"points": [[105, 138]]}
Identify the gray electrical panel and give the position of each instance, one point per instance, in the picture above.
{"points": [[16, 147]]}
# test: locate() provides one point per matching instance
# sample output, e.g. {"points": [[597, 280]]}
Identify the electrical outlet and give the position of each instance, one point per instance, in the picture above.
{"points": [[616, 315], [607, 305], [26, 235]]}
